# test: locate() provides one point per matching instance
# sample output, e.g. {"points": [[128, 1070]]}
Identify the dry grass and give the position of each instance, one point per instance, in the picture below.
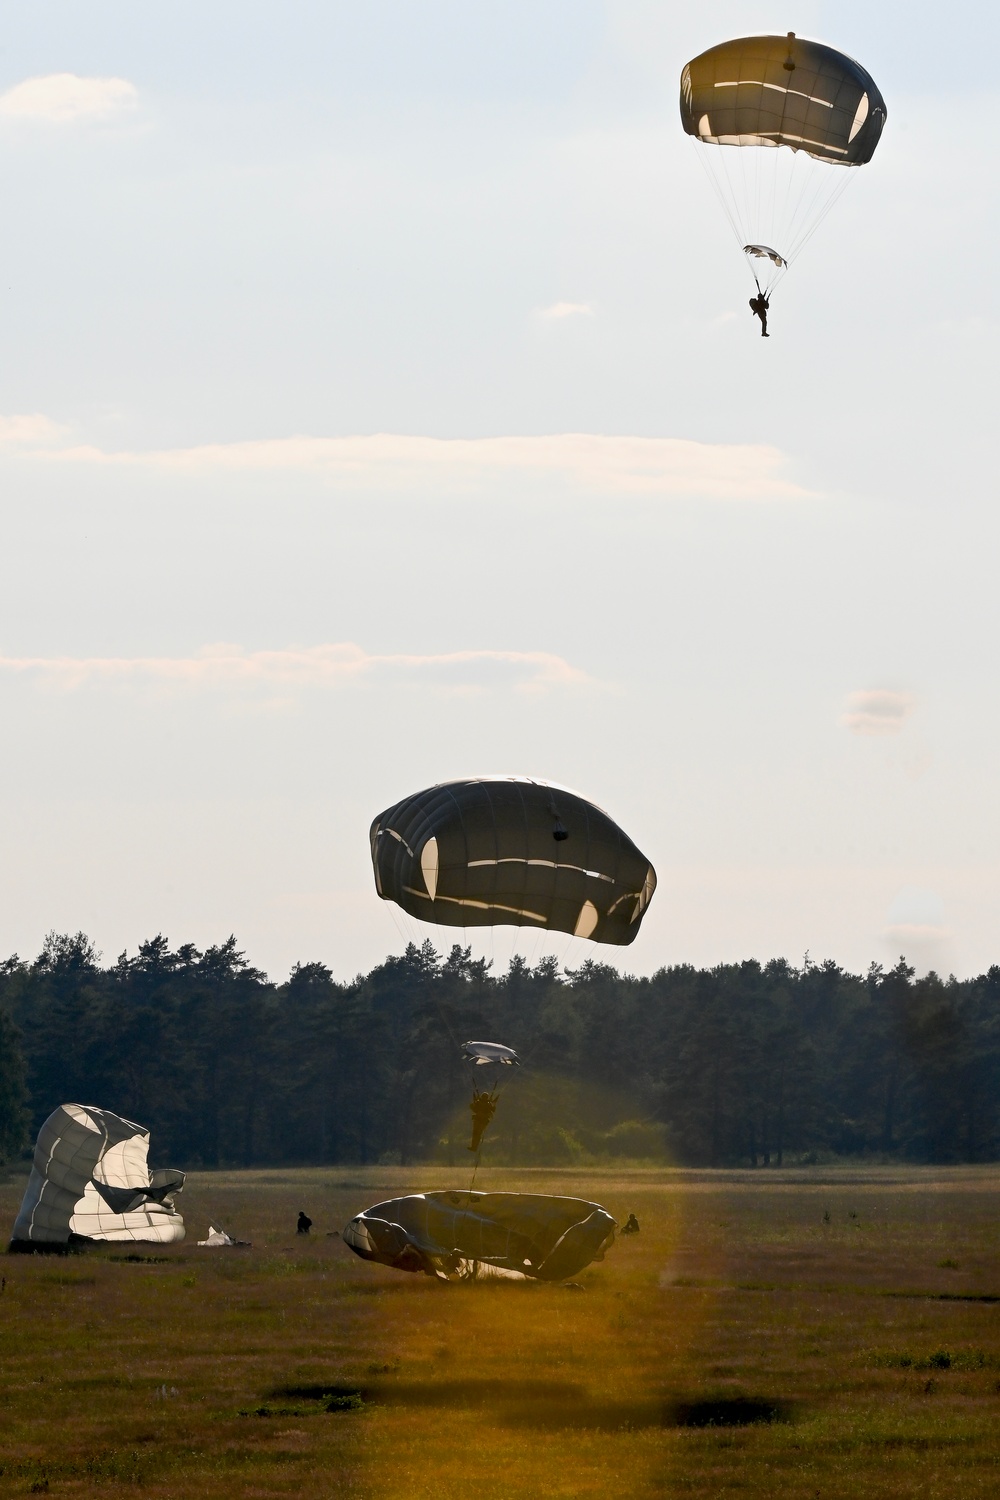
{"points": [[857, 1342]]}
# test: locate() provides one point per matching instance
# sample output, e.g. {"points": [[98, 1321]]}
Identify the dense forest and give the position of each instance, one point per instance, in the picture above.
{"points": [[741, 1064]]}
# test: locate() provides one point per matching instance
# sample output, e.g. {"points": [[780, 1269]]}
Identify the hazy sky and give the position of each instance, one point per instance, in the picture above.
{"points": [[379, 403]]}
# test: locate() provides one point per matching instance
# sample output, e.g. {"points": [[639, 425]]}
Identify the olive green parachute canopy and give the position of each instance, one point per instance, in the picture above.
{"points": [[504, 850], [90, 1180], [761, 93], [783, 91], [467, 1236]]}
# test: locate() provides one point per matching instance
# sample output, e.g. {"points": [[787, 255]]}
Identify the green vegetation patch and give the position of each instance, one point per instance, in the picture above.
{"points": [[939, 1359]]}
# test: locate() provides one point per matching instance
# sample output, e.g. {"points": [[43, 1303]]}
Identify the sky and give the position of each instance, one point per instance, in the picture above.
{"points": [[380, 404]]}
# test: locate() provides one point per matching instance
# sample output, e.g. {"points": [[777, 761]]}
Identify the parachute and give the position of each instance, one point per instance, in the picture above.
{"points": [[90, 1180], [761, 93], [506, 850], [467, 1236], [481, 1054], [218, 1239]]}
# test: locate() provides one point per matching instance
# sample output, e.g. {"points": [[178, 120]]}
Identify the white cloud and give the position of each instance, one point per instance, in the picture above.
{"points": [[567, 310], [225, 667], [576, 461], [62, 97], [877, 712], [29, 430], [916, 909], [916, 928]]}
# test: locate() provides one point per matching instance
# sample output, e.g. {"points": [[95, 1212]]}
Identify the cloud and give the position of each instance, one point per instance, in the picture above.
{"points": [[63, 97], [591, 462], [29, 430], [877, 712], [901, 934], [226, 667], [566, 310], [916, 927], [915, 909]]}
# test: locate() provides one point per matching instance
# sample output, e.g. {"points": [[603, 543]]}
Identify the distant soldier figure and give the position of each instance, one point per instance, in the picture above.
{"points": [[483, 1108], [631, 1225], [305, 1223], [759, 306]]}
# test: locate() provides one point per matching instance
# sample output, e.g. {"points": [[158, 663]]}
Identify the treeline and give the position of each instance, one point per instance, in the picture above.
{"points": [[741, 1064]]}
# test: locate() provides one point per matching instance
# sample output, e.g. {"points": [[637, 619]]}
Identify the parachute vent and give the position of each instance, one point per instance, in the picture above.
{"points": [[860, 116], [429, 866], [586, 921]]}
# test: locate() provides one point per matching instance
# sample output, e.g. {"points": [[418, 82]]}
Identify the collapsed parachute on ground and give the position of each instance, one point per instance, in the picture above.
{"points": [[218, 1239], [508, 851], [762, 93], [90, 1181], [481, 1054], [467, 1236]]}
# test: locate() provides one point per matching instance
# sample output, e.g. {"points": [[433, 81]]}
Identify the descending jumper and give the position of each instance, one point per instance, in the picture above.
{"points": [[763, 93]]}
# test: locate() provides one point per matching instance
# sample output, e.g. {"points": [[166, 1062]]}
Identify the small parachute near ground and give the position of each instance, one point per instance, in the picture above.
{"points": [[798, 113], [90, 1180], [497, 851], [484, 1101], [468, 1236]]}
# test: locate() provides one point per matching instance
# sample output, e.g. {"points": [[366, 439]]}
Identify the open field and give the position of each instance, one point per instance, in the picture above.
{"points": [[866, 1346]]}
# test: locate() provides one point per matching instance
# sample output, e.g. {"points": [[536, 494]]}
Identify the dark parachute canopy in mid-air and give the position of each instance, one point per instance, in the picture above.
{"points": [[468, 1236], [505, 850], [763, 93], [783, 91]]}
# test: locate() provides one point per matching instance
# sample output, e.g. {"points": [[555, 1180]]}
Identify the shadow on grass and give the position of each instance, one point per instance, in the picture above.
{"points": [[538, 1404]]}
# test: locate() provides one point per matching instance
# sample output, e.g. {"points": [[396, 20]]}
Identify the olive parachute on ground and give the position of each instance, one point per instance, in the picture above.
{"points": [[763, 93], [90, 1180], [467, 1236], [506, 850]]}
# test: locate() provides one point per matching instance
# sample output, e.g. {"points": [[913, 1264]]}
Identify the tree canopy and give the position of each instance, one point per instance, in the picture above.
{"points": [[739, 1064]]}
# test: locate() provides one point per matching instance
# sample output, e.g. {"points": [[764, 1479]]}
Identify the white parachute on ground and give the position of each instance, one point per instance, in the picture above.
{"points": [[481, 1053], [217, 1238], [90, 1180], [467, 1236]]}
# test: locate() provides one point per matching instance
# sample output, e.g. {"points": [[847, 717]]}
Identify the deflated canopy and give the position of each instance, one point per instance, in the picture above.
{"points": [[218, 1239], [505, 850], [482, 1053], [467, 1236], [90, 1179], [783, 91]]}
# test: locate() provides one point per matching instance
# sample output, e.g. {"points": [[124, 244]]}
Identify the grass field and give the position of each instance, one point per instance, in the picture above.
{"points": [[802, 1334]]}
